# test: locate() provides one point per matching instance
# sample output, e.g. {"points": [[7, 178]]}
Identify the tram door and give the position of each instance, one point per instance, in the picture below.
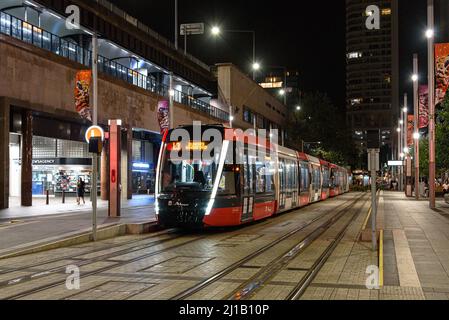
{"points": [[248, 194]]}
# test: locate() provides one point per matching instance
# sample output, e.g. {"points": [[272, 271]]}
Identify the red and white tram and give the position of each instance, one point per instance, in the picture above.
{"points": [[219, 192]]}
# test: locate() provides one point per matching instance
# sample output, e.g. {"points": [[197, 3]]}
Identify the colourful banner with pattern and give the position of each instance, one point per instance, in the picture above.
{"points": [[441, 71], [83, 83], [410, 129], [423, 106], [163, 115]]}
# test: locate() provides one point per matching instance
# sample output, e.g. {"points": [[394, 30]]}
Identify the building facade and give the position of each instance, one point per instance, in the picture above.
{"points": [[372, 75], [250, 105], [42, 142]]}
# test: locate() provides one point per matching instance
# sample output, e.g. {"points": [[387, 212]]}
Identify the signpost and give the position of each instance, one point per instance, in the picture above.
{"points": [[188, 29], [373, 138], [95, 138]]}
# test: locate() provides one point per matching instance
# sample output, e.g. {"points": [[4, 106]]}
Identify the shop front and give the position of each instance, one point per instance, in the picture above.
{"points": [[60, 175], [145, 150]]}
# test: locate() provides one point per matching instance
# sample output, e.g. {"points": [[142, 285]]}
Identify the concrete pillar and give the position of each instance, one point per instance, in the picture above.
{"points": [[4, 153], [104, 179], [126, 169], [27, 158], [114, 168], [129, 145]]}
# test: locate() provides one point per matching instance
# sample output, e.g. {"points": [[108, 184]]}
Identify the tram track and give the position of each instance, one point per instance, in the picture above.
{"points": [[207, 282], [6, 270], [250, 288], [61, 269]]}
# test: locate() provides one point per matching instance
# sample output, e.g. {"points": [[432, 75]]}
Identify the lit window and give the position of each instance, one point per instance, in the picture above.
{"points": [[354, 55], [386, 12]]}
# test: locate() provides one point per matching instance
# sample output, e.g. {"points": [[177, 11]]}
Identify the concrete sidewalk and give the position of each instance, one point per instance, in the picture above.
{"points": [[20, 227], [415, 255], [416, 242], [56, 207]]}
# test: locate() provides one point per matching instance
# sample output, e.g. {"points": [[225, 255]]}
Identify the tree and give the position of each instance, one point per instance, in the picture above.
{"points": [[319, 120]]}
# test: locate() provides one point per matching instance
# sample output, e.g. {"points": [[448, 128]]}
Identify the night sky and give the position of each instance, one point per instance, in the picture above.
{"points": [[308, 35]]}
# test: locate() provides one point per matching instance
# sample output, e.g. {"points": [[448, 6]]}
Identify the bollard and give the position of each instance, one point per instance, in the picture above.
{"points": [[48, 197], [63, 196]]}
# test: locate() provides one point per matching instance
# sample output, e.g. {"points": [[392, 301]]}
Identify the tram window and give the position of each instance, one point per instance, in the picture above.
{"points": [[282, 175], [304, 177], [269, 177], [260, 177], [326, 180], [227, 182]]}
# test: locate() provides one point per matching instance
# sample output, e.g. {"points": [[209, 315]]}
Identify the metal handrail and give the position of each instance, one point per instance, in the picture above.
{"points": [[24, 31], [141, 26]]}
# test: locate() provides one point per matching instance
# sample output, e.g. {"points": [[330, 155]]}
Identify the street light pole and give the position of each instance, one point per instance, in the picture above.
{"points": [[431, 84], [176, 24], [416, 122], [404, 141]]}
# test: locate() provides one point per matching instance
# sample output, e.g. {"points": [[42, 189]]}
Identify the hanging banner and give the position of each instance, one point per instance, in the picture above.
{"points": [[163, 116], [441, 71], [423, 106], [83, 83], [410, 130]]}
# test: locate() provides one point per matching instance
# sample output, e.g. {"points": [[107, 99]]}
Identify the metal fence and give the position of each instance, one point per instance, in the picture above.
{"points": [[24, 31]]}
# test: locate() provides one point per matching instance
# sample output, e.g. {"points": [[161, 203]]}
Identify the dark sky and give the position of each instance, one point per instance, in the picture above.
{"points": [[308, 35]]}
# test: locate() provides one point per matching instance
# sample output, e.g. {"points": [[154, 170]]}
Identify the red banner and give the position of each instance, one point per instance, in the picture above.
{"points": [[82, 92], [163, 115], [410, 130], [441, 71], [423, 106]]}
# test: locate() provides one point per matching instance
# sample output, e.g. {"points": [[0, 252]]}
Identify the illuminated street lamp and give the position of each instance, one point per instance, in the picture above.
{"points": [[256, 66], [430, 33], [282, 92], [215, 31], [298, 108], [415, 78], [416, 136]]}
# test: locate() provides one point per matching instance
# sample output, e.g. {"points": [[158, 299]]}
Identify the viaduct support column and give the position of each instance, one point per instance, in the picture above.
{"points": [[4, 154], [27, 158]]}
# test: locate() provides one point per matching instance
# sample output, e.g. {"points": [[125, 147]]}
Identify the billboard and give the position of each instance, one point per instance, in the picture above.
{"points": [[83, 83]]}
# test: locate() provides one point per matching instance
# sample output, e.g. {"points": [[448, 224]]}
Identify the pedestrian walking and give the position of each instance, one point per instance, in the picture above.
{"points": [[80, 189]]}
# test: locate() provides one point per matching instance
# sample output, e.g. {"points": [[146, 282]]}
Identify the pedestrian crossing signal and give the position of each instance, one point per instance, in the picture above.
{"points": [[95, 145]]}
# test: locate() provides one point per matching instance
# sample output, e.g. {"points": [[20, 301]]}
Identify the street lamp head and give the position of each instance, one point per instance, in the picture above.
{"points": [[415, 77], [405, 109], [406, 150], [401, 122], [215, 31], [256, 66], [416, 136], [430, 33], [398, 129], [231, 118], [402, 155], [282, 92], [298, 108]]}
